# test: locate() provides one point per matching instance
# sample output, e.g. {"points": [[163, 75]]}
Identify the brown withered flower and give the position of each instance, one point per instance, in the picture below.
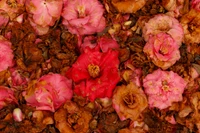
{"points": [[129, 101]]}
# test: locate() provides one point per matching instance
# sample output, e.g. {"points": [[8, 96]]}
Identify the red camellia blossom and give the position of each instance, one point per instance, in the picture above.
{"points": [[49, 92], [95, 74], [83, 17], [6, 54], [6, 96]]}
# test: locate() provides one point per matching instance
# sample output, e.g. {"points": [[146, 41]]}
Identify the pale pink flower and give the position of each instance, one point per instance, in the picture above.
{"points": [[163, 88], [6, 54], [49, 92], [195, 4], [83, 17], [44, 13], [163, 50], [6, 96], [164, 23]]}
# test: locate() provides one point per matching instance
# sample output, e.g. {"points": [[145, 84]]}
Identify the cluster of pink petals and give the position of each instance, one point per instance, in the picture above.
{"points": [[6, 96], [103, 43], [6, 54], [163, 88], [95, 74], [163, 50], [195, 4], [49, 92], [164, 23], [13, 8], [83, 17], [16, 78], [43, 13]]}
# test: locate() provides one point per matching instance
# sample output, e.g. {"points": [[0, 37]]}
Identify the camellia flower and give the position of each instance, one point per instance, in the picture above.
{"points": [[163, 23], [82, 17], [129, 101], [49, 92], [102, 43], [44, 13], [6, 96], [163, 88], [6, 54], [163, 50], [195, 4], [95, 74]]}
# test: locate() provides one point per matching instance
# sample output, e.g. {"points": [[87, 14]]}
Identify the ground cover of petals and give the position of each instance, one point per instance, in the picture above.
{"points": [[99, 66]]}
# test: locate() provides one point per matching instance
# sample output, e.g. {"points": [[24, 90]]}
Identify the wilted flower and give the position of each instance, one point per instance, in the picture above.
{"points": [[16, 78], [164, 23], [14, 8], [163, 88], [6, 54], [129, 101], [82, 17], [4, 18], [44, 13], [102, 43], [163, 50], [195, 4], [49, 92], [128, 6], [95, 74], [6, 96]]}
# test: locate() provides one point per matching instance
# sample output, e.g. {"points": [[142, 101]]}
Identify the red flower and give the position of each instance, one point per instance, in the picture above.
{"points": [[95, 74]]}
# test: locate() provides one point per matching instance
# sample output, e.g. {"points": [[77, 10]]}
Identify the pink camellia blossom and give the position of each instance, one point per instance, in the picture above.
{"points": [[163, 88], [49, 92], [6, 96], [163, 50], [6, 54], [95, 74], [44, 13], [195, 4], [83, 17], [164, 23]]}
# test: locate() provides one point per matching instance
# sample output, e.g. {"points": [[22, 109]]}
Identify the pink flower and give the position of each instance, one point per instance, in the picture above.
{"points": [[102, 43], [44, 13], [195, 4], [49, 92], [164, 23], [163, 88], [95, 74], [83, 17], [163, 50], [6, 54], [6, 96]]}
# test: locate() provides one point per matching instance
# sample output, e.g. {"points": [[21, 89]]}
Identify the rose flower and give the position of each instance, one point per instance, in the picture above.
{"points": [[129, 101], [43, 13], [49, 92], [163, 88], [163, 23], [83, 17], [95, 74], [163, 50], [6, 54], [6, 96]]}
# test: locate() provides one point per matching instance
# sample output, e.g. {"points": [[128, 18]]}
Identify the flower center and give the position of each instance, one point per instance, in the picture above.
{"points": [[81, 11], [130, 100], [163, 50], [93, 70], [165, 85]]}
